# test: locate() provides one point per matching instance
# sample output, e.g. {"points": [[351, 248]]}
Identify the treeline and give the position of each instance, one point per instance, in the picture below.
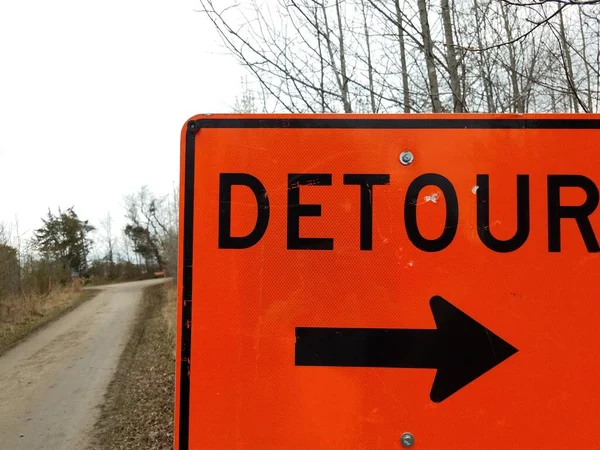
{"points": [[147, 244], [377, 56], [67, 247]]}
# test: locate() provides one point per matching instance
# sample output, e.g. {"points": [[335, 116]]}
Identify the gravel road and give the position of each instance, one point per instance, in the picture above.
{"points": [[52, 383]]}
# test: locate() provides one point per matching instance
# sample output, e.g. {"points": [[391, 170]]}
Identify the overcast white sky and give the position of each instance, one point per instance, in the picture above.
{"points": [[93, 95]]}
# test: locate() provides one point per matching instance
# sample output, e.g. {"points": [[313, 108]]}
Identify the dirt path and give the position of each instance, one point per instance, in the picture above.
{"points": [[52, 383]]}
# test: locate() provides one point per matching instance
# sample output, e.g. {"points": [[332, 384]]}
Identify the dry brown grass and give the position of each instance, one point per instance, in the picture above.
{"points": [[20, 316], [170, 312], [138, 408]]}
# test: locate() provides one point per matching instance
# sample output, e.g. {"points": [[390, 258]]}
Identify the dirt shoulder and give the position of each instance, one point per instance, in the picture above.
{"points": [[138, 408], [25, 319]]}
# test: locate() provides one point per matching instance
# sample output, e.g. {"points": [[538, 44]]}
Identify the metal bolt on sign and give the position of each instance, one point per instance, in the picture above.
{"points": [[407, 440], [406, 158]]}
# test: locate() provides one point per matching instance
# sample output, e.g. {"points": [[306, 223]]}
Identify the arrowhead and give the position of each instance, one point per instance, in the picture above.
{"points": [[467, 349]]}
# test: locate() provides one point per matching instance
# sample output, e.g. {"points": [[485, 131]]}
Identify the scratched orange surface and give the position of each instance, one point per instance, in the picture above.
{"points": [[246, 391]]}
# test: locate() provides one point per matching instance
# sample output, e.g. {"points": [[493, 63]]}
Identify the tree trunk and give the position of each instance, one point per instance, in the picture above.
{"points": [[513, 74], [345, 94], [369, 61], [321, 63], [429, 58], [526, 88], [342, 80], [588, 77], [484, 71], [457, 100], [405, 91], [566, 54]]}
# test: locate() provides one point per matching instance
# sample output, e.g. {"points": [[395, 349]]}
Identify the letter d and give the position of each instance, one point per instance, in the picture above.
{"points": [[227, 180]]}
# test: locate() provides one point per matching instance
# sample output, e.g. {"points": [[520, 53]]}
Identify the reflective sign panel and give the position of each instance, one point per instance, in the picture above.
{"points": [[348, 279]]}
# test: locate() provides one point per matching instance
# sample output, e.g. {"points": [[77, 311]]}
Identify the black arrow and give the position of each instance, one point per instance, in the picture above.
{"points": [[460, 348]]}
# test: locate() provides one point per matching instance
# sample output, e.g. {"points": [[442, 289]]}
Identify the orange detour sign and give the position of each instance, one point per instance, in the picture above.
{"points": [[381, 282]]}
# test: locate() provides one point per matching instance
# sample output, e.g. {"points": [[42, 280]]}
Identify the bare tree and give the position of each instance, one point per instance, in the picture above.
{"points": [[9, 264], [402, 47], [246, 101], [109, 241], [374, 103], [429, 55], [584, 51], [152, 228], [455, 85]]}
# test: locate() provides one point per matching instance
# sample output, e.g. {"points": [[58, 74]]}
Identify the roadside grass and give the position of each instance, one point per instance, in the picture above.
{"points": [[22, 316], [138, 409]]}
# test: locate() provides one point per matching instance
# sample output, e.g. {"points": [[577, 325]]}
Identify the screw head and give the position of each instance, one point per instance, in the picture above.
{"points": [[406, 158], [407, 440]]}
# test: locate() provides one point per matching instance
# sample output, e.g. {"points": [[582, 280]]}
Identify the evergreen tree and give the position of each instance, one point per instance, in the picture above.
{"points": [[64, 241]]}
